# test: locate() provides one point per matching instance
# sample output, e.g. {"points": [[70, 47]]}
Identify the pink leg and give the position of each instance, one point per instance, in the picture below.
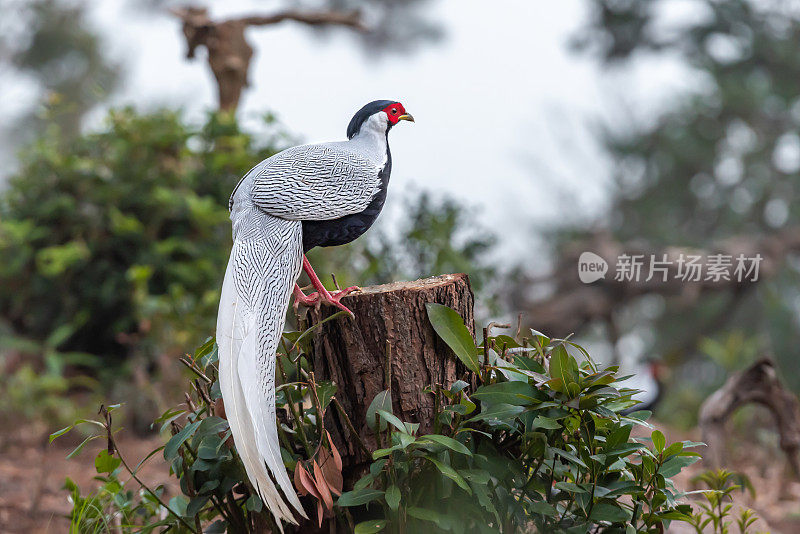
{"points": [[323, 295]]}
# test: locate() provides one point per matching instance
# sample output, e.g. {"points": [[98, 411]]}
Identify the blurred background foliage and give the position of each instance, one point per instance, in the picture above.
{"points": [[114, 232], [114, 238], [720, 163]]}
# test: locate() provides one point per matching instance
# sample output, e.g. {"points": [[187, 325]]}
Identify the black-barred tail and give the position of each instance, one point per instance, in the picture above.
{"points": [[264, 264]]}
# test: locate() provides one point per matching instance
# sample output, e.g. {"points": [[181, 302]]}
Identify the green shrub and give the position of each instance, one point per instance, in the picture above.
{"points": [[716, 511], [120, 233], [533, 438]]}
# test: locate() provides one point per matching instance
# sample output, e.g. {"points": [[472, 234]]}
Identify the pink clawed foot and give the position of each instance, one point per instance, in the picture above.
{"points": [[311, 300], [322, 296], [334, 298]]}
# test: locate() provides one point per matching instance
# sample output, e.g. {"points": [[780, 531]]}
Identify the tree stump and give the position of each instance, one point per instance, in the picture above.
{"points": [[391, 324]]}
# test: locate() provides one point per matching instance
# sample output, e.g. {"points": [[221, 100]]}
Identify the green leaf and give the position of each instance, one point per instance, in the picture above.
{"points": [[457, 386], [359, 497], [59, 433], [211, 357], [673, 449], [411, 428], [382, 401], [168, 417], [393, 419], [105, 463], [204, 349], [210, 447], [543, 508], [609, 512], [450, 473], [175, 442], [450, 327], [208, 486], [380, 453], [476, 476], [528, 364], [569, 487], [196, 505], [569, 456], [376, 467], [209, 426], [427, 515], [370, 527], [562, 366], [516, 393], [640, 415], [450, 443], [364, 481], [325, 391], [80, 447], [468, 405], [546, 422], [220, 526], [674, 465], [393, 497], [499, 412], [618, 436], [659, 441], [405, 439], [254, 503], [177, 505]]}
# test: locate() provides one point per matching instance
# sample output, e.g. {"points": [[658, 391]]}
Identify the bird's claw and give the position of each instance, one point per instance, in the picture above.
{"points": [[318, 298], [306, 300]]}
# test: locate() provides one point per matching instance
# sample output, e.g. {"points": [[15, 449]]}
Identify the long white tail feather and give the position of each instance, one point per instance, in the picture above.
{"points": [[248, 330], [308, 183], [261, 405]]}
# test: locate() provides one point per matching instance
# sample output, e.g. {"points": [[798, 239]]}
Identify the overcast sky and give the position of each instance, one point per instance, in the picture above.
{"points": [[505, 112]]}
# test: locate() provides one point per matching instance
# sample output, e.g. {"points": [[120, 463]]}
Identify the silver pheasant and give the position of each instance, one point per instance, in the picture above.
{"points": [[312, 195]]}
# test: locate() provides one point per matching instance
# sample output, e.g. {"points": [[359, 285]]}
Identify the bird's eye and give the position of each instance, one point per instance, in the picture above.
{"points": [[394, 110]]}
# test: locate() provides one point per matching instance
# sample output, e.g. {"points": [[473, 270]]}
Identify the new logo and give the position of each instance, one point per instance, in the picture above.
{"points": [[591, 267]]}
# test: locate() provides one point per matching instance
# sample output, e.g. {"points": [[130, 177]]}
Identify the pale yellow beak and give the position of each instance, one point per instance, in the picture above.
{"points": [[406, 117]]}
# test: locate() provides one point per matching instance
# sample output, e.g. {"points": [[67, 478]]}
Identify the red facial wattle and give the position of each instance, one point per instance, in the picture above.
{"points": [[394, 112]]}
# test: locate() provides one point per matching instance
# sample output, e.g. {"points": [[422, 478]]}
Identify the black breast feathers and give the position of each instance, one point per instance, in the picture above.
{"points": [[346, 229]]}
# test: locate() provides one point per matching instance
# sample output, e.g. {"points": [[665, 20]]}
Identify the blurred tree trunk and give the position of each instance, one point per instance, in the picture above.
{"points": [[229, 53], [389, 345]]}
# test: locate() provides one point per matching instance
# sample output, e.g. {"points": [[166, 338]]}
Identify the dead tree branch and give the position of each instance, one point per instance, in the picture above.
{"points": [[229, 53], [759, 384], [351, 19]]}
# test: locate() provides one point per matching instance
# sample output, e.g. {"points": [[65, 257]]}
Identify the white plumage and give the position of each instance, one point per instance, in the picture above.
{"points": [[264, 263], [311, 182]]}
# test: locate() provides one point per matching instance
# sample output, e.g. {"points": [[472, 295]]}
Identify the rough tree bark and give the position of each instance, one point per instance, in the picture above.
{"points": [[391, 320], [760, 384]]}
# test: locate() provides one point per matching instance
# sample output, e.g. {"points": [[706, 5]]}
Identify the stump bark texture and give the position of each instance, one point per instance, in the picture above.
{"points": [[391, 325]]}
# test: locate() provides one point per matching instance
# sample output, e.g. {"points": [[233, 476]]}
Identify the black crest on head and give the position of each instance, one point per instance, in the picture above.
{"points": [[365, 113]]}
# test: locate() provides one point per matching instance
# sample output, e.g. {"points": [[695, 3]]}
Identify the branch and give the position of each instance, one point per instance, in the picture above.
{"points": [[313, 18], [759, 384]]}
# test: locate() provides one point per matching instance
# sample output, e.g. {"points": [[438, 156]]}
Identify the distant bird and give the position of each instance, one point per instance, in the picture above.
{"points": [[304, 197], [649, 379]]}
